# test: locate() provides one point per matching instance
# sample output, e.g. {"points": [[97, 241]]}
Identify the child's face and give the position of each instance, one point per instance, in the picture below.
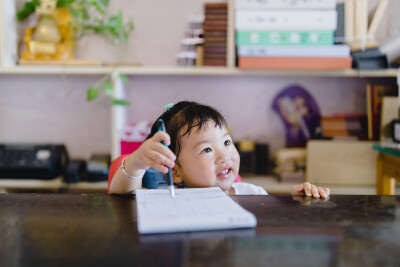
{"points": [[207, 158]]}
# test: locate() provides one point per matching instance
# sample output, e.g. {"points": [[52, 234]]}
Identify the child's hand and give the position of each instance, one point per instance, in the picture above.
{"points": [[310, 190], [152, 153]]}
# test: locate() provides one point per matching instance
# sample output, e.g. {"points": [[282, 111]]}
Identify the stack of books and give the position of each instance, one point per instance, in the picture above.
{"points": [[215, 34], [279, 34], [345, 126]]}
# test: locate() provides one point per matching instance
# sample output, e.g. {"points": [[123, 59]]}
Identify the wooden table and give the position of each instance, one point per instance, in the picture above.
{"points": [[100, 230], [387, 170]]}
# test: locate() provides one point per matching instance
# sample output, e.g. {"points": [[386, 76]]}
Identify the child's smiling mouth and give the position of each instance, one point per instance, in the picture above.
{"points": [[225, 173]]}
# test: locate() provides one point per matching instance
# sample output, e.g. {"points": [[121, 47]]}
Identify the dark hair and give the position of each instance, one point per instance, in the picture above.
{"points": [[190, 115]]}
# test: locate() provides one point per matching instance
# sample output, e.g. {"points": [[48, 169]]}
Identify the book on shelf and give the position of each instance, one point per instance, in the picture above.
{"points": [[221, 33], [210, 49], [375, 94], [377, 18], [345, 125], [390, 106], [220, 16], [216, 6], [215, 56], [294, 51], [279, 4], [214, 27], [349, 20], [360, 19], [340, 24], [295, 63], [246, 19], [215, 39], [199, 61], [214, 62], [250, 37]]}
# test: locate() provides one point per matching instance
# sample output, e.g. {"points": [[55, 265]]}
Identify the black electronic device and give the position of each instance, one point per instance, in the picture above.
{"points": [[97, 167], [370, 59], [32, 161], [76, 171]]}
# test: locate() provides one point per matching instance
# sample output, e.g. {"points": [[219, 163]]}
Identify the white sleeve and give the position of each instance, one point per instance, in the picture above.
{"points": [[248, 189]]}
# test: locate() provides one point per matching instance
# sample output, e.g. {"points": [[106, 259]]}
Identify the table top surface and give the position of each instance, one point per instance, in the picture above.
{"points": [[387, 149], [101, 230]]}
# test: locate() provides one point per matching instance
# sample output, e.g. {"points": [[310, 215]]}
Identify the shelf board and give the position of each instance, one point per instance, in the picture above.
{"points": [[273, 186], [53, 184], [269, 183], [87, 186], [177, 70]]}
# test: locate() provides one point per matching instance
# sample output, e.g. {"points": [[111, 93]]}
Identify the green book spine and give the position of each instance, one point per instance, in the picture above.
{"points": [[284, 38]]}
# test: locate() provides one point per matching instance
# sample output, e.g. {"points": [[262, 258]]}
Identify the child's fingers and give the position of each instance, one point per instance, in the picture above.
{"points": [[162, 136], [307, 189], [157, 166], [298, 189], [314, 191], [327, 191], [160, 158], [322, 192], [160, 148], [161, 153]]}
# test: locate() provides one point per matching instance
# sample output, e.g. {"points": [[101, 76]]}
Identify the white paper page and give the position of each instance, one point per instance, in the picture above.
{"points": [[192, 209]]}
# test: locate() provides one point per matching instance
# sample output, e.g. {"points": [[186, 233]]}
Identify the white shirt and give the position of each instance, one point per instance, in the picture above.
{"points": [[248, 189]]}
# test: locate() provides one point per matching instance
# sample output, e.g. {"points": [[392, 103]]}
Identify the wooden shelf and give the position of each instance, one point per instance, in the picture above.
{"points": [[53, 184], [87, 186], [272, 186], [176, 70], [269, 183]]}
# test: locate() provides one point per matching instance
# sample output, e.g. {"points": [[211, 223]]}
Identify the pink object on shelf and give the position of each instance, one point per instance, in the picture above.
{"points": [[133, 135], [129, 147]]}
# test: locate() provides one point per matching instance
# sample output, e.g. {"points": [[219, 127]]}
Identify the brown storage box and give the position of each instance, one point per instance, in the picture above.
{"points": [[341, 163]]}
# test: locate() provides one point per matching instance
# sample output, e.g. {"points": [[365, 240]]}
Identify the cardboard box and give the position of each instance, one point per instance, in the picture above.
{"points": [[341, 163]]}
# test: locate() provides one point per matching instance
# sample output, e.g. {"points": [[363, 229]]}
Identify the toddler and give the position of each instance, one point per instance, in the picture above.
{"points": [[201, 153]]}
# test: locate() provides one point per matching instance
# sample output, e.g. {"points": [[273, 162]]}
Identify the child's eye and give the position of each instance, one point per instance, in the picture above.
{"points": [[206, 150], [227, 143]]}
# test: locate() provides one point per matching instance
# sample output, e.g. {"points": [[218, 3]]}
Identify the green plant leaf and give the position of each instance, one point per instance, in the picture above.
{"points": [[64, 3], [108, 88], [120, 102], [99, 8], [29, 8], [125, 79], [92, 93]]}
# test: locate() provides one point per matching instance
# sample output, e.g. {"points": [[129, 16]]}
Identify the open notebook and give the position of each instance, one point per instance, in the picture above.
{"points": [[192, 209]]}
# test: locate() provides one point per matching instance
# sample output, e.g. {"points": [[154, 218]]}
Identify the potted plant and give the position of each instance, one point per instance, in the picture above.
{"points": [[74, 19]]}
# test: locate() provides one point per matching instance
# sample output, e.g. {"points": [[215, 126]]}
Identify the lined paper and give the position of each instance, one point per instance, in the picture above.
{"points": [[192, 209]]}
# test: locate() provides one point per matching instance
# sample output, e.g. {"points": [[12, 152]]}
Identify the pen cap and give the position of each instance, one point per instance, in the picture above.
{"points": [[161, 125]]}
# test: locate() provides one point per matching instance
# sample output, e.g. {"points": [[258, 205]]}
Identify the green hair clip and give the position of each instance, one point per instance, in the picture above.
{"points": [[168, 106]]}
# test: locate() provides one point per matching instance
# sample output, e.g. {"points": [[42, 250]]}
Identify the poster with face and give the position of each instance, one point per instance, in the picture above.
{"points": [[299, 113]]}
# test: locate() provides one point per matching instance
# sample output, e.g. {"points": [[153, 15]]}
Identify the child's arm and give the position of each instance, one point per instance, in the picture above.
{"points": [[310, 190], [151, 154]]}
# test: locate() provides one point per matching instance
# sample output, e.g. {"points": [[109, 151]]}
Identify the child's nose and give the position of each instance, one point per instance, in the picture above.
{"points": [[222, 157]]}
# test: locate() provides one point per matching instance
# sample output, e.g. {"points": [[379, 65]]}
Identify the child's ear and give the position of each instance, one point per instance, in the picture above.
{"points": [[175, 174]]}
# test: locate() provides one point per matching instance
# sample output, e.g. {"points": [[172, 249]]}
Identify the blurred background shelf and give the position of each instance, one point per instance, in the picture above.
{"points": [[176, 70], [274, 187], [269, 183]]}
